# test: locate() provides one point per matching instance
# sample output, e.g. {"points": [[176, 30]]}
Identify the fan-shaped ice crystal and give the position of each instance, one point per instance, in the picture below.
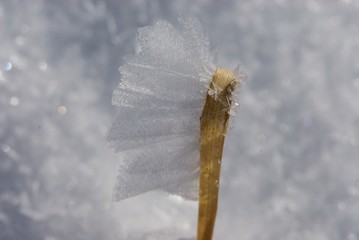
{"points": [[160, 99]]}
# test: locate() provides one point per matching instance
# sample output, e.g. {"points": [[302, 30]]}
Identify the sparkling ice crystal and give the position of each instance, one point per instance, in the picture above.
{"points": [[160, 99]]}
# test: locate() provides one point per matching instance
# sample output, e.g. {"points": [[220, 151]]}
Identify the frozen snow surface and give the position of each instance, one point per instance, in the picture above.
{"points": [[291, 162], [160, 98]]}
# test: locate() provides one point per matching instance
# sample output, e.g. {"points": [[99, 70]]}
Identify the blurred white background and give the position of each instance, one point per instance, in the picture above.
{"points": [[291, 163]]}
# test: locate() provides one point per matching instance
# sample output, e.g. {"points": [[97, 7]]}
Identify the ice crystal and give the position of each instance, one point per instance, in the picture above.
{"points": [[160, 100]]}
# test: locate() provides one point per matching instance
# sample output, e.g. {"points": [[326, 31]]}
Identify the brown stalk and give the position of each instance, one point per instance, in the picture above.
{"points": [[214, 122]]}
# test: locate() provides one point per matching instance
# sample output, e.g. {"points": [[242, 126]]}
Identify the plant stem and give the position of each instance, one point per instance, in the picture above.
{"points": [[214, 122]]}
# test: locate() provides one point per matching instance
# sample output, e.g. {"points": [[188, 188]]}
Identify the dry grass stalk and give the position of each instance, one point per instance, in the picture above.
{"points": [[214, 122]]}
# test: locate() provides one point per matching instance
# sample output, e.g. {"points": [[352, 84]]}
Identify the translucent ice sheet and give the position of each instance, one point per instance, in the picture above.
{"points": [[160, 99]]}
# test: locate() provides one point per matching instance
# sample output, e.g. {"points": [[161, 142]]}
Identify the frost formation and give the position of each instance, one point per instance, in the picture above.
{"points": [[160, 99]]}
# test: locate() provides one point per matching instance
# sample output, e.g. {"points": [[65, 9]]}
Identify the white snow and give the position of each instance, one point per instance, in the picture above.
{"points": [[290, 167]]}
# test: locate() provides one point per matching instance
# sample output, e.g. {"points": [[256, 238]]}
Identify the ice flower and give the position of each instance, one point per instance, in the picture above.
{"points": [[174, 108], [160, 98]]}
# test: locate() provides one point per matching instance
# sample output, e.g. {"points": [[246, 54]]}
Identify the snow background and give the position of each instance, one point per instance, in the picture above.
{"points": [[291, 162]]}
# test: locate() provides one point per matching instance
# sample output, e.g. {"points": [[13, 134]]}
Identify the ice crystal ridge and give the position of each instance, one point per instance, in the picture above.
{"points": [[160, 99]]}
